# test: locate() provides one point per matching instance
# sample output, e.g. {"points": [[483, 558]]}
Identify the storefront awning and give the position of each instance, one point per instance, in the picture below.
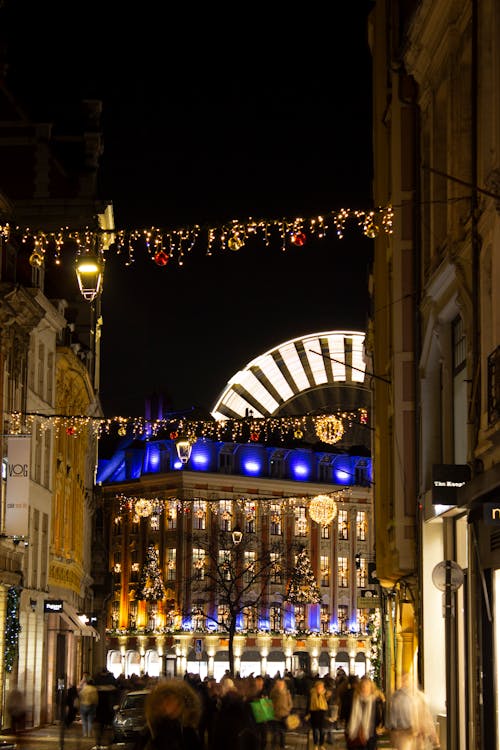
{"points": [[70, 615]]}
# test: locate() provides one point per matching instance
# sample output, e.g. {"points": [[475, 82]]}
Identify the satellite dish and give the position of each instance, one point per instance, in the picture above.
{"points": [[447, 568]]}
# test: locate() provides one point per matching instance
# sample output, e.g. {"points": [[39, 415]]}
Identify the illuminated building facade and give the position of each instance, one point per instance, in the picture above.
{"points": [[171, 520]]}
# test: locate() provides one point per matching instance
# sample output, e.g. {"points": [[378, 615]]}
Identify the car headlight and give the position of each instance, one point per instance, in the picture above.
{"points": [[122, 721]]}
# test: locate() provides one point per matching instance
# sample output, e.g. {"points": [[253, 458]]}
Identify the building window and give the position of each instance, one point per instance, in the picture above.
{"points": [[325, 532], [361, 474], [249, 563], [343, 573], [47, 458], [171, 563], [361, 526], [300, 521], [198, 616], [276, 573], [249, 619], [275, 519], [343, 525], [223, 616], [37, 473], [275, 617], [41, 369], [325, 570], [225, 515], [459, 345], [132, 614], [115, 614], [325, 618], [200, 515], [172, 515], [360, 571], [277, 468], [199, 563], [300, 616], [363, 616], [342, 616], [325, 469], [249, 517], [226, 462], [224, 565]]}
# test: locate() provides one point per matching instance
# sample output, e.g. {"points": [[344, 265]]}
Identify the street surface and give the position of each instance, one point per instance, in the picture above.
{"points": [[51, 738]]}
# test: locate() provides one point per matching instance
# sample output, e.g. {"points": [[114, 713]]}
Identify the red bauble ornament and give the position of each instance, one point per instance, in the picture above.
{"points": [[174, 435], [161, 258], [254, 436], [298, 238], [70, 430]]}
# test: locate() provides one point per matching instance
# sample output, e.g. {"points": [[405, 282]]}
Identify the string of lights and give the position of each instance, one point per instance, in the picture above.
{"points": [[164, 245], [327, 428]]}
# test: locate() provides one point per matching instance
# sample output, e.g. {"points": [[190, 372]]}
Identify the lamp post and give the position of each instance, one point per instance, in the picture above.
{"points": [[237, 535]]}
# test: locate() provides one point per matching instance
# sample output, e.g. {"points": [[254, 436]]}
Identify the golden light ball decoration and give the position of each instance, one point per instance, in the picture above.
{"points": [[329, 429], [323, 509], [143, 507]]}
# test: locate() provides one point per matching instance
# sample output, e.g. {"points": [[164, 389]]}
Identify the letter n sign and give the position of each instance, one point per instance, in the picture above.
{"points": [[491, 513]]}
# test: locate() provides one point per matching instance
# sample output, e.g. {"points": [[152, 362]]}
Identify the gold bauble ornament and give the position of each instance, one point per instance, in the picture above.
{"points": [[36, 259], [323, 509], [235, 242]]}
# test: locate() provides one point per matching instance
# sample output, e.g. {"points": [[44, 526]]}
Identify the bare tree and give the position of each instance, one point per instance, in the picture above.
{"points": [[231, 577]]}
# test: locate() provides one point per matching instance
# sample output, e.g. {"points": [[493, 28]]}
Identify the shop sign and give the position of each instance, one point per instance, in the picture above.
{"points": [[491, 513], [446, 480]]}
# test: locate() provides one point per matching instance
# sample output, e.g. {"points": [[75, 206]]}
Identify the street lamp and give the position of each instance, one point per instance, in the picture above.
{"points": [[237, 535], [89, 269], [183, 446]]}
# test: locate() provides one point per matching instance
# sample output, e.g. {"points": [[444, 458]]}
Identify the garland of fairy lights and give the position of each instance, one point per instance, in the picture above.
{"points": [[163, 245], [12, 628], [327, 428], [151, 508]]}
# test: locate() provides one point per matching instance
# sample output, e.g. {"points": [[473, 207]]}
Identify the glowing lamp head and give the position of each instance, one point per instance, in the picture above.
{"points": [[183, 447], [89, 273]]}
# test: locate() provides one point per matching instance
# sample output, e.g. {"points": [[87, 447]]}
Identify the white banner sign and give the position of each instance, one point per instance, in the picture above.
{"points": [[18, 479]]}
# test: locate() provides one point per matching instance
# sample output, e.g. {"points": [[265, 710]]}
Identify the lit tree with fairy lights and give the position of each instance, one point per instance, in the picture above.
{"points": [[302, 587], [12, 628], [151, 587]]}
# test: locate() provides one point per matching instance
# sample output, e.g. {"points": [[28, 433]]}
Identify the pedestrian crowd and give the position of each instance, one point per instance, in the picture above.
{"points": [[257, 712]]}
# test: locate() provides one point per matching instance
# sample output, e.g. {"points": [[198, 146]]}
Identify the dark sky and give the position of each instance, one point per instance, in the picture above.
{"points": [[208, 119]]}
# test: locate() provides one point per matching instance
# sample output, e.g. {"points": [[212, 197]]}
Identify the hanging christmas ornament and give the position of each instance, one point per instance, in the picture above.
{"points": [[323, 509], [298, 434], [143, 507], [235, 242], [161, 258], [36, 259], [329, 429], [70, 431], [174, 435], [254, 437], [298, 238], [122, 430]]}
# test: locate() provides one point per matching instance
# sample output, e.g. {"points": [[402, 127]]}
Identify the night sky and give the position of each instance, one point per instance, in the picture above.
{"points": [[208, 119]]}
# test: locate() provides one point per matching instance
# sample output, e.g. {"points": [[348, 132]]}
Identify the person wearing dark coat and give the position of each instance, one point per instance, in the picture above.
{"points": [[172, 711], [234, 727], [71, 706]]}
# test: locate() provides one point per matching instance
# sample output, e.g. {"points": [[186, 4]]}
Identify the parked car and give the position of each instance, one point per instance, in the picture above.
{"points": [[129, 719]]}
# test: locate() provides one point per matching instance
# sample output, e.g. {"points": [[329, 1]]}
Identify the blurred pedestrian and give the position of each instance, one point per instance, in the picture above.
{"points": [[72, 704], [402, 716], [317, 713], [282, 706], [367, 716], [173, 711], [16, 708], [88, 706], [235, 727]]}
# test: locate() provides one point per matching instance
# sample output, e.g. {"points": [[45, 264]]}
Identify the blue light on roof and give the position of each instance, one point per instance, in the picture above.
{"points": [[251, 466], [199, 459], [301, 471], [177, 464], [342, 477]]}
